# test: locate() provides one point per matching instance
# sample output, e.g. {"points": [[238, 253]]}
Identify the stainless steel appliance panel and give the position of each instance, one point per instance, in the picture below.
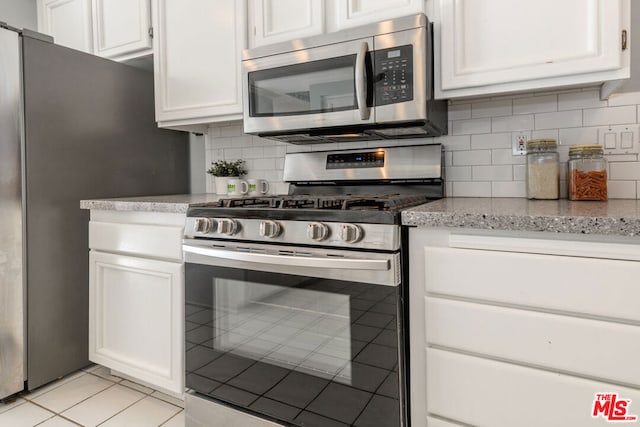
{"points": [[297, 121], [90, 132], [12, 344], [416, 109], [401, 163]]}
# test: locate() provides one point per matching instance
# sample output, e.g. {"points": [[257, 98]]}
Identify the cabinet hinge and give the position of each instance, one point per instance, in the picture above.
{"points": [[624, 39], [151, 32]]}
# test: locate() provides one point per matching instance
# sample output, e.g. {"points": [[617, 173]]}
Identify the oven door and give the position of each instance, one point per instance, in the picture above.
{"points": [[295, 335], [308, 89]]}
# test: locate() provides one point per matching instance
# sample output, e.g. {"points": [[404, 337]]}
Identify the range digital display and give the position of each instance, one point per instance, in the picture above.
{"points": [[371, 159]]}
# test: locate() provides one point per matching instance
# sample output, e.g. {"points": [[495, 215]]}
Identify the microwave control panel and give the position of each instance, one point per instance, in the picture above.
{"points": [[394, 75]]}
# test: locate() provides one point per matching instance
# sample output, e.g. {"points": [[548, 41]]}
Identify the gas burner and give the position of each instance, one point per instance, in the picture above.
{"points": [[373, 202]]}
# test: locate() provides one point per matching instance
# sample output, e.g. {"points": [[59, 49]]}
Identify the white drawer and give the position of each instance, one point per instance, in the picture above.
{"points": [[593, 348], [593, 286], [148, 240], [483, 392]]}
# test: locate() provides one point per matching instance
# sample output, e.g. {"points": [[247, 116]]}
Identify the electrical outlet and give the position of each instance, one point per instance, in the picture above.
{"points": [[519, 144]]}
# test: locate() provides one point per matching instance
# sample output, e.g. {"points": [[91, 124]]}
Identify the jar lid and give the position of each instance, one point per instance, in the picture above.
{"points": [[542, 144], [585, 148]]}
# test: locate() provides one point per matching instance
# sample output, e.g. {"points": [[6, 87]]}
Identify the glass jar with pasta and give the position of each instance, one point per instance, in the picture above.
{"points": [[587, 173]]}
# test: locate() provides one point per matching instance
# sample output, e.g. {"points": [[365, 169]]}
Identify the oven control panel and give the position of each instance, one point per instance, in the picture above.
{"points": [[394, 75], [321, 233], [368, 159]]}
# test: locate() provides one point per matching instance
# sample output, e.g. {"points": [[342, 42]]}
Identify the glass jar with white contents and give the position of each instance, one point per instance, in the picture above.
{"points": [[543, 169]]}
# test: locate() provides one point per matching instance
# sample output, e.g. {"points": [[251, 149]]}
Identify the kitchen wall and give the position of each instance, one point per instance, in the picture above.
{"points": [[19, 13], [478, 155]]}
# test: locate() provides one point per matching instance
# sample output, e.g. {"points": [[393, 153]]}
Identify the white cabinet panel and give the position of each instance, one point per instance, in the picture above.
{"points": [[484, 392], [274, 21], [586, 347], [491, 43], [68, 21], [136, 313], [121, 28], [351, 13], [147, 240], [197, 53], [597, 287]]}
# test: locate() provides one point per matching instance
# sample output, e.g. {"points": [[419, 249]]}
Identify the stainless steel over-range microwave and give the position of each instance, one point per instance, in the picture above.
{"points": [[369, 82]]}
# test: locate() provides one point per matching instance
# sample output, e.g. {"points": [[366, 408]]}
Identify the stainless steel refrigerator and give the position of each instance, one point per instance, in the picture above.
{"points": [[72, 126]]}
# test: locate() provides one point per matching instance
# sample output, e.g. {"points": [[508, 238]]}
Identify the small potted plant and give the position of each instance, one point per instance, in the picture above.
{"points": [[223, 170]]}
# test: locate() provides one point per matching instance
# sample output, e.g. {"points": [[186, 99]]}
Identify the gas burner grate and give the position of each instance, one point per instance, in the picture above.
{"points": [[386, 202]]}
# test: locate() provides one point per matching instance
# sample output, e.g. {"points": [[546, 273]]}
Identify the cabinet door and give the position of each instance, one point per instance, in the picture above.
{"points": [[493, 43], [351, 13], [121, 28], [197, 52], [135, 318], [275, 21], [68, 21]]}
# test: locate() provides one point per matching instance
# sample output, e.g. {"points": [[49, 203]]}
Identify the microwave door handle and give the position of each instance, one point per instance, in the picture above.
{"points": [[360, 75]]}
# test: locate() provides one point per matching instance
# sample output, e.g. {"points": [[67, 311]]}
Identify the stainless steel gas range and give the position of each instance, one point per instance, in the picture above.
{"points": [[296, 310]]}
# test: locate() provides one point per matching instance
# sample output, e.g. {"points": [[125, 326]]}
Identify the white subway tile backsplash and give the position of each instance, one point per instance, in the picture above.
{"points": [[535, 104], [621, 189], [512, 123], [584, 135], [508, 189], [545, 134], [519, 172], [610, 115], [502, 107], [477, 152], [471, 158], [490, 140], [580, 100], [559, 119], [459, 111], [448, 158], [458, 173], [468, 127], [455, 143], [630, 98], [492, 173], [506, 157], [625, 171], [471, 189]]}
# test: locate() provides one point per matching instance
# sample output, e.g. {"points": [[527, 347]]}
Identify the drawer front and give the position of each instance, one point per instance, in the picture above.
{"points": [[483, 392], [593, 348], [147, 240], [591, 286]]}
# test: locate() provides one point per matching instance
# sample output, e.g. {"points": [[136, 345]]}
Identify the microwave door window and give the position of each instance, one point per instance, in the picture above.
{"points": [[313, 87]]}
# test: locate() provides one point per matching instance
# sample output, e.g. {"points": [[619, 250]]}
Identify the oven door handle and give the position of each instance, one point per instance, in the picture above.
{"points": [[292, 261], [361, 79]]}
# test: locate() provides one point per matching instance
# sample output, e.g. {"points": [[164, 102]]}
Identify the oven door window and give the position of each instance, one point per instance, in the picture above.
{"points": [[321, 86], [299, 349]]}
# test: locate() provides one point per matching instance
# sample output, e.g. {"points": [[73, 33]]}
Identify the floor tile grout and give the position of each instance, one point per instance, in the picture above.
{"points": [[114, 380]]}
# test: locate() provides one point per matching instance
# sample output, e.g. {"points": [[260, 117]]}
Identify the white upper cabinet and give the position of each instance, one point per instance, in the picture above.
{"points": [[352, 13], [197, 52], [273, 21], [490, 46], [68, 21], [121, 28]]}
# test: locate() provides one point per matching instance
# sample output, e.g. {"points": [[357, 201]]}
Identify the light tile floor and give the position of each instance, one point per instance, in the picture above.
{"points": [[93, 397]]}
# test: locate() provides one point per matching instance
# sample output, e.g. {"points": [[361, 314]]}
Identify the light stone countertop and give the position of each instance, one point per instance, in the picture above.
{"points": [[173, 203], [615, 217]]}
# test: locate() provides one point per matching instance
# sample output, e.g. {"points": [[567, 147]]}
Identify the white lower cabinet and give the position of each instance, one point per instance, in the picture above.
{"points": [[136, 297], [521, 330]]}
